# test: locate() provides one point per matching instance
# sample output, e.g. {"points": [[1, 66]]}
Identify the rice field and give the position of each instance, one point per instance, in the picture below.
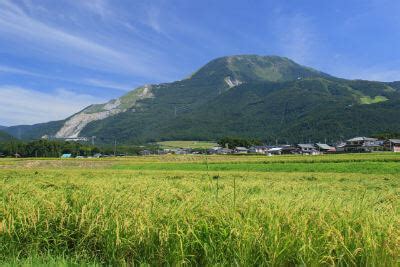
{"points": [[197, 210]]}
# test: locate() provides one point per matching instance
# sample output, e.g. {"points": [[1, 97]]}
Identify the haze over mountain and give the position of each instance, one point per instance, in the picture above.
{"points": [[265, 97]]}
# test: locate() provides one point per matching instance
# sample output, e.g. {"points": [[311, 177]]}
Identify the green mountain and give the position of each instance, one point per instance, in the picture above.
{"points": [[249, 96], [5, 136]]}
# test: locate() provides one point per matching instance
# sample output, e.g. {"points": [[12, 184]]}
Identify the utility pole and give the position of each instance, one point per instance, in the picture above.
{"points": [[93, 137]]}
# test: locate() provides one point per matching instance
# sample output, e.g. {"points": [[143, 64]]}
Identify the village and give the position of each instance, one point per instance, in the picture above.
{"points": [[353, 145]]}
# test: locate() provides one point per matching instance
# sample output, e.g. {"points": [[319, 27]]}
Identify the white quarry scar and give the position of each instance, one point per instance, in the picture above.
{"points": [[75, 125], [231, 83]]}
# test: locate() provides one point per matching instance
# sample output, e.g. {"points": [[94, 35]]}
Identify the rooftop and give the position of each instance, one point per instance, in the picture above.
{"points": [[324, 146], [357, 139], [306, 146]]}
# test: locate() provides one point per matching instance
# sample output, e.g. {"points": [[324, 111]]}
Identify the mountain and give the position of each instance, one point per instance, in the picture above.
{"points": [[28, 132], [266, 97], [5, 136]]}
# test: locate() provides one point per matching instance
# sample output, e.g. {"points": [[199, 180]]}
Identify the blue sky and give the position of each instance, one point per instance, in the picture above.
{"points": [[57, 57]]}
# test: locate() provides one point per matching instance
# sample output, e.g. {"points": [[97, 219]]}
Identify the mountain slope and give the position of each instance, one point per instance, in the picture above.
{"points": [[5, 136], [28, 132], [222, 73], [262, 97]]}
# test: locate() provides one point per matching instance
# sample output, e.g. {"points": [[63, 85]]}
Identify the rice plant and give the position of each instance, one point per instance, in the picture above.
{"points": [[94, 213]]}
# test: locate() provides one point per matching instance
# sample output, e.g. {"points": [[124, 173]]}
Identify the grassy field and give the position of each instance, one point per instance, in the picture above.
{"points": [[197, 210], [187, 144]]}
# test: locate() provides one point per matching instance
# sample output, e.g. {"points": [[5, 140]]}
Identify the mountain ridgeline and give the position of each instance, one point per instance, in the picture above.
{"points": [[265, 97]]}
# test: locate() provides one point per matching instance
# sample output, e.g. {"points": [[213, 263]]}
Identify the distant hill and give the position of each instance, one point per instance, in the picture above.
{"points": [[266, 97], [5, 136], [28, 132]]}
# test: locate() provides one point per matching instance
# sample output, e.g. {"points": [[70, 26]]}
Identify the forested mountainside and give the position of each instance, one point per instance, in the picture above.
{"points": [[264, 97]]}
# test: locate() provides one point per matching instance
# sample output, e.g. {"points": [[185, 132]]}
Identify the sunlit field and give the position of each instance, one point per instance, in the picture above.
{"points": [[187, 144], [202, 210]]}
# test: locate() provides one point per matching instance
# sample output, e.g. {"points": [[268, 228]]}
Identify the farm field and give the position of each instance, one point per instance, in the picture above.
{"points": [[198, 210], [187, 144]]}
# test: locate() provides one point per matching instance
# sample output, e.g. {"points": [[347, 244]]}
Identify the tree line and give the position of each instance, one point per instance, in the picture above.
{"points": [[232, 142], [55, 148]]}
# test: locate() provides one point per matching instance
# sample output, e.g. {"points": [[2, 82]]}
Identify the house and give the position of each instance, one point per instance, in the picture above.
{"points": [[393, 145], [219, 151], [363, 144], [241, 150], [66, 156], [213, 150], [224, 151], [258, 149], [181, 151], [145, 152], [340, 147], [288, 149], [307, 149], [275, 151], [325, 148]]}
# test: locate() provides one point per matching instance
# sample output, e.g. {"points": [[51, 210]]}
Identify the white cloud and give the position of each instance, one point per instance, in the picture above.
{"points": [[88, 81], [107, 84], [297, 37], [23, 106], [54, 42], [153, 18], [12, 70], [99, 7]]}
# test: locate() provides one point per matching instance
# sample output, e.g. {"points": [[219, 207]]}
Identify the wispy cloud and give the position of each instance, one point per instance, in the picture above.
{"points": [[92, 82], [108, 84], [12, 70], [99, 7], [296, 36], [24, 106], [153, 18], [72, 47]]}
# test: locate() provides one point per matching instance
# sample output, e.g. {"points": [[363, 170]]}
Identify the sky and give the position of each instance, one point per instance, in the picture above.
{"points": [[57, 57]]}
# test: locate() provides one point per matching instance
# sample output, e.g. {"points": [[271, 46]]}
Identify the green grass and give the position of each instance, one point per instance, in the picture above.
{"points": [[342, 167], [325, 210], [366, 100], [187, 144]]}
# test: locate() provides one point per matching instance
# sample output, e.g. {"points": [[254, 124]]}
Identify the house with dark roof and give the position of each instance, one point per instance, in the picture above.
{"points": [[324, 148], [258, 149], [288, 149], [145, 152], [241, 150], [393, 145], [363, 144], [340, 146], [307, 149]]}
